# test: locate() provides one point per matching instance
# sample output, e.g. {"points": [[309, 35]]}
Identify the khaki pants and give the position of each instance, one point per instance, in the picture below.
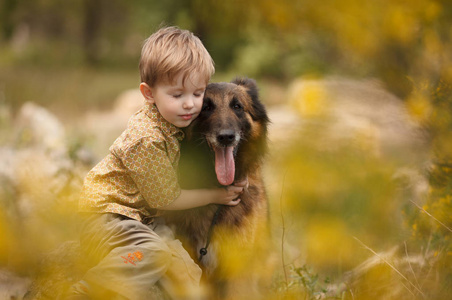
{"points": [[131, 257]]}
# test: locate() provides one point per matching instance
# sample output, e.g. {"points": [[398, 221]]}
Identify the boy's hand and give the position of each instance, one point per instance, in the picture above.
{"points": [[230, 194]]}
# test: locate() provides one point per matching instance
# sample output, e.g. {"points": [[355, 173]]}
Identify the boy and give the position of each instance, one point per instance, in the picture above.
{"points": [[129, 188]]}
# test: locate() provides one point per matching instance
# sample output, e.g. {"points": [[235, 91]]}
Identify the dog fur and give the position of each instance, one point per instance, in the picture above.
{"points": [[232, 117]]}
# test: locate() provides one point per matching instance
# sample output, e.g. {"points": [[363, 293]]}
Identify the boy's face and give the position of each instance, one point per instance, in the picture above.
{"points": [[178, 103]]}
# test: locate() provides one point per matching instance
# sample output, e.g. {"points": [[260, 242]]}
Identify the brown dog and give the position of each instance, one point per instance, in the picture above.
{"points": [[226, 143]]}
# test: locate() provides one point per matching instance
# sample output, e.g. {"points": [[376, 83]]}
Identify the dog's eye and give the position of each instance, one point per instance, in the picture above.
{"points": [[237, 106], [207, 105]]}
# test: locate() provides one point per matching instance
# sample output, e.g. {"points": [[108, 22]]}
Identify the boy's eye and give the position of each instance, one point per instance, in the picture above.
{"points": [[197, 94], [177, 95]]}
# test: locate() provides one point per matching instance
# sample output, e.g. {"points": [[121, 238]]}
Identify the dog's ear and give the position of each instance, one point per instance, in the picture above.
{"points": [[250, 85], [259, 112]]}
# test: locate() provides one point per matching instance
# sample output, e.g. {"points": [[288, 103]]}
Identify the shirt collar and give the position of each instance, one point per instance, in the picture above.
{"points": [[166, 126]]}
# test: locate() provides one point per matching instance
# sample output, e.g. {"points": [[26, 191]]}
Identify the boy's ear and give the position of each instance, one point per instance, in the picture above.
{"points": [[146, 91]]}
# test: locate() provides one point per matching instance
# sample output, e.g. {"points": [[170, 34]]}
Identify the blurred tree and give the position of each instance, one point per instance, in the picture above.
{"points": [[93, 13], [222, 26], [7, 18]]}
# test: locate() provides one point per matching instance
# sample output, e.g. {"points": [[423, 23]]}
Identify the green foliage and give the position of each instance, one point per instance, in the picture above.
{"points": [[329, 194], [302, 283], [310, 282]]}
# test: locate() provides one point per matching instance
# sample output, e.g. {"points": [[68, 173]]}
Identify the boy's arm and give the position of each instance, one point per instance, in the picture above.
{"points": [[196, 198], [148, 164]]}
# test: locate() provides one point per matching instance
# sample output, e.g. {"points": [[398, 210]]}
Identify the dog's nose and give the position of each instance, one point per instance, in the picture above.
{"points": [[226, 137]]}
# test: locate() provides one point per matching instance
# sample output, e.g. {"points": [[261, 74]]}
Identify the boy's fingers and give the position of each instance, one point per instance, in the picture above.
{"points": [[234, 202], [235, 189], [242, 183]]}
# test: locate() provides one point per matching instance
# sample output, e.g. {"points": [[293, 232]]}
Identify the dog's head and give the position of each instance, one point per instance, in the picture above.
{"points": [[233, 121]]}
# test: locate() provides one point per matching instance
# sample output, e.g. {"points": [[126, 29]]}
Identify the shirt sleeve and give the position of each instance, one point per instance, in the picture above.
{"points": [[151, 169]]}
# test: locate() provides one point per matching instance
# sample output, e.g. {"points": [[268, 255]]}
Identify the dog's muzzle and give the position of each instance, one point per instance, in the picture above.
{"points": [[227, 138]]}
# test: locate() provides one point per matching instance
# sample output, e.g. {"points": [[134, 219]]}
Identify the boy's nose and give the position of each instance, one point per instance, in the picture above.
{"points": [[189, 103]]}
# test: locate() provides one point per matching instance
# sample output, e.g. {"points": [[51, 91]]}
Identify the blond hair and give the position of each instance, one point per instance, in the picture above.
{"points": [[172, 51]]}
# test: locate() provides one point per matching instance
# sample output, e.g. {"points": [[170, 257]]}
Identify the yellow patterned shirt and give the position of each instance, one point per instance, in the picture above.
{"points": [[140, 173]]}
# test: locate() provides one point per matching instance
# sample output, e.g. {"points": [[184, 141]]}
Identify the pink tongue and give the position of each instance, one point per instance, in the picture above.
{"points": [[224, 165]]}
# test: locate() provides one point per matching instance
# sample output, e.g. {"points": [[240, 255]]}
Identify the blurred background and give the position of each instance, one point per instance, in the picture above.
{"points": [[359, 93]]}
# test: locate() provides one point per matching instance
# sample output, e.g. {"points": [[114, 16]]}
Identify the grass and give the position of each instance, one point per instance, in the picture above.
{"points": [[336, 213], [68, 92]]}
